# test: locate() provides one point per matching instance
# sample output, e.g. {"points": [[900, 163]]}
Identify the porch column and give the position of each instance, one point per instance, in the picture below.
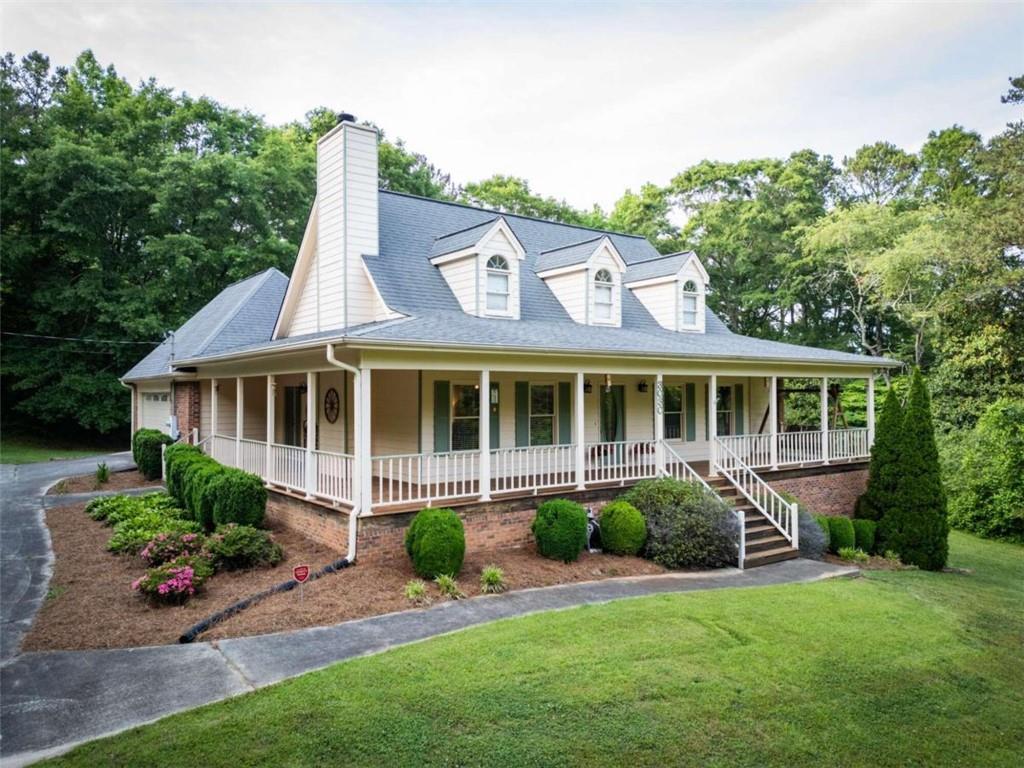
{"points": [[239, 418], [824, 419], [773, 417], [712, 421], [871, 410], [214, 389], [311, 411], [659, 424], [578, 429], [271, 387], [364, 465], [485, 435]]}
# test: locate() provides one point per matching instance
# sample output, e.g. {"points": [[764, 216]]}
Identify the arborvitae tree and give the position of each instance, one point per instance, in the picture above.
{"points": [[915, 526], [883, 471]]}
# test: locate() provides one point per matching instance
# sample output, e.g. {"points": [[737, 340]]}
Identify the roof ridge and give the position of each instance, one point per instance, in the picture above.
{"points": [[573, 245], [661, 256], [514, 215], [466, 229], [257, 284]]}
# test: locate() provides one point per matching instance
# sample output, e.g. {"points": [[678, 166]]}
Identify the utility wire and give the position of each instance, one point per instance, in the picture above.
{"points": [[75, 338]]}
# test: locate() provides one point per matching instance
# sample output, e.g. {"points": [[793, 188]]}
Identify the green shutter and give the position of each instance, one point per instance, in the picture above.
{"points": [[442, 416], [691, 412], [709, 413], [619, 393], [564, 412], [493, 407], [522, 413], [737, 393]]}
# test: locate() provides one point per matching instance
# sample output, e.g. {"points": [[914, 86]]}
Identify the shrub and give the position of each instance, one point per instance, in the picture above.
{"points": [[840, 534], [165, 547], [822, 522], [100, 508], [448, 586], [560, 529], [813, 539], [884, 468], [988, 498], [132, 507], [416, 592], [492, 580], [854, 554], [176, 581], [102, 474], [623, 530], [864, 535], [178, 458], [436, 543], [146, 444], [242, 546], [687, 527], [198, 488], [240, 498], [916, 525], [131, 535]]}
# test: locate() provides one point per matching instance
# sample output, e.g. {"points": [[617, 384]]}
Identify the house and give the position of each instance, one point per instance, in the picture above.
{"points": [[425, 352]]}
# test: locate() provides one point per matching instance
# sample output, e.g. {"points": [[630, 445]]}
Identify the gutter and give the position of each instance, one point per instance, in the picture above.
{"points": [[353, 519]]}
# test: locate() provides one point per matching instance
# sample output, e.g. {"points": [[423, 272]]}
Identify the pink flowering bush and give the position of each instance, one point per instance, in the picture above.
{"points": [[165, 547], [176, 581]]}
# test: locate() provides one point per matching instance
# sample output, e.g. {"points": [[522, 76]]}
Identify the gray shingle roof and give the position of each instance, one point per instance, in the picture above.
{"points": [[665, 266], [463, 238], [410, 229], [242, 314], [567, 255]]}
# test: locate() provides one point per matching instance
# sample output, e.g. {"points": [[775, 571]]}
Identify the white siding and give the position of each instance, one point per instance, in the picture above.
{"points": [[499, 244], [394, 412], [461, 277], [254, 419], [661, 301], [691, 272], [204, 408], [304, 319], [226, 407], [571, 291], [603, 259]]}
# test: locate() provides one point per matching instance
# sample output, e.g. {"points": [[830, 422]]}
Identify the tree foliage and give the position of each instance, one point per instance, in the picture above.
{"points": [[884, 469]]}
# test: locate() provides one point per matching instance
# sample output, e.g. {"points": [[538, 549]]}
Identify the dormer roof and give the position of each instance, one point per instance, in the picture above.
{"points": [[463, 242], [576, 254], [665, 266]]}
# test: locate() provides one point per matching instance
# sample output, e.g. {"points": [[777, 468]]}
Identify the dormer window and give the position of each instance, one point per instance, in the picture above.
{"points": [[690, 304], [603, 286], [498, 291]]}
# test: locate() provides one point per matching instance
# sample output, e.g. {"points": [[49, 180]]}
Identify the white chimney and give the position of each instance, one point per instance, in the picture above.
{"points": [[347, 226]]}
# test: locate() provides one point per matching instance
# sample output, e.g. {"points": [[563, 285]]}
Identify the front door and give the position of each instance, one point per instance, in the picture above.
{"points": [[295, 416], [613, 413]]}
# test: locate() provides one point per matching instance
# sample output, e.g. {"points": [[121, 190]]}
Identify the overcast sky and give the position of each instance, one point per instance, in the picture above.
{"points": [[583, 101]]}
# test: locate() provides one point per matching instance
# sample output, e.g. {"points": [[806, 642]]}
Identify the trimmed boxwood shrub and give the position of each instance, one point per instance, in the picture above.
{"points": [[560, 529], [822, 522], [840, 534], [623, 529], [146, 445], [179, 457], [199, 480], [864, 534], [239, 497], [436, 543], [212, 493], [242, 546]]}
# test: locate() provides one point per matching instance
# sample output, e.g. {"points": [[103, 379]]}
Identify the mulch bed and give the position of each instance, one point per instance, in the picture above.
{"points": [[119, 481], [91, 603], [874, 563]]}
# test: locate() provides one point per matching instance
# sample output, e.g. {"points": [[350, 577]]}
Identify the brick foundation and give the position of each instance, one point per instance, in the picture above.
{"points": [[322, 524], [834, 493], [186, 406]]}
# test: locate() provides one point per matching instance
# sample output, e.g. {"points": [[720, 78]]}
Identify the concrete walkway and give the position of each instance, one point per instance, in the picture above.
{"points": [[53, 701]]}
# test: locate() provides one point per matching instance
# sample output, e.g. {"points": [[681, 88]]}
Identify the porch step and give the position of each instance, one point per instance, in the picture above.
{"points": [[767, 544], [754, 532], [766, 557]]}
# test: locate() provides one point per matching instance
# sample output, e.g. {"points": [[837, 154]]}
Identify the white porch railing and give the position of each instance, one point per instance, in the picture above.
{"points": [[620, 462], [334, 476], [428, 477], [782, 514], [754, 450], [253, 457], [799, 447], [287, 467], [532, 468], [222, 448], [848, 444]]}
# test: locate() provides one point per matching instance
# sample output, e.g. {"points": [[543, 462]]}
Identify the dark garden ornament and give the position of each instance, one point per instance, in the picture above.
{"points": [[593, 532]]}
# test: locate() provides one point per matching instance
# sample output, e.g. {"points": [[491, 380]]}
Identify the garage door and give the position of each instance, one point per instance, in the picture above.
{"points": [[155, 410]]}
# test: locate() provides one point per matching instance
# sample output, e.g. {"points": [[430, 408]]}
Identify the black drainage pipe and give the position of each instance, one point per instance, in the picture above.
{"points": [[195, 630]]}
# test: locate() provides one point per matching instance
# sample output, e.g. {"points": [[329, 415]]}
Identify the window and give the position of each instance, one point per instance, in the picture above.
{"points": [[725, 410], [673, 413], [542, 414], [465, 417], [603, 295], [689, 304], [498, 275]]}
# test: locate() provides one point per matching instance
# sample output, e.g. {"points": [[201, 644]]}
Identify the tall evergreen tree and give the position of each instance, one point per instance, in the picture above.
{"points": [[916, 526], [883, 472]]}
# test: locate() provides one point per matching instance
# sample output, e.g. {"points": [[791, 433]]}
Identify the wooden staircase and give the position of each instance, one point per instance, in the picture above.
{"points": [[764, 542]]}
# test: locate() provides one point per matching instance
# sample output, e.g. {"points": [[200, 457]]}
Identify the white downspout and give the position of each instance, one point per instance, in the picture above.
{"points": [[131, 388], [356, 486]]}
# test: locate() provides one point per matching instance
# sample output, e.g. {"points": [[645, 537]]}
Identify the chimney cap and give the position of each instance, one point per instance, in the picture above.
{"points": [[346, 117]]}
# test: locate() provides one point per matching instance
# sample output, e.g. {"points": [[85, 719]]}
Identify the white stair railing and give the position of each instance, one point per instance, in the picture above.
{"points": [[677, 467], [781, 513]]}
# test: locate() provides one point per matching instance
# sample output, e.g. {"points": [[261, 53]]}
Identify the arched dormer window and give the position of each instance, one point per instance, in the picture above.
{"points": [[498, 288], [690, 304], [603, 286]]}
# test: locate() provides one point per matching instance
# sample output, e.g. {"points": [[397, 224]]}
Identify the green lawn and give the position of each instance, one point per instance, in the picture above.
{"points": [[906, 668], [22, 449]]}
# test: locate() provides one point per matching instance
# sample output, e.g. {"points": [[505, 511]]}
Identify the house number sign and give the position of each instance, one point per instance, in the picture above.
{"points": [[659, 398]]}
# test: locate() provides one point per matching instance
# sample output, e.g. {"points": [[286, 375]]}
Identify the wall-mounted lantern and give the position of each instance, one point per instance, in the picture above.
{"points": [[642, 386]]}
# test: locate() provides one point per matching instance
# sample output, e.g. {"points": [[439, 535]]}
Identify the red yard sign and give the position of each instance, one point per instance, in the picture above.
{"points": [[301, 573]]}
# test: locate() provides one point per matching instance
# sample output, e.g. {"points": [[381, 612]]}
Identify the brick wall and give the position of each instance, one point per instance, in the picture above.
{"points": [[825, 494], [324, 525], [186, 406]]}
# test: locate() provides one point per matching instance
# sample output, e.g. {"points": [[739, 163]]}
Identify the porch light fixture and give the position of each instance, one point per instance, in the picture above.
{"points": [[587, 387], [642, 386]]}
